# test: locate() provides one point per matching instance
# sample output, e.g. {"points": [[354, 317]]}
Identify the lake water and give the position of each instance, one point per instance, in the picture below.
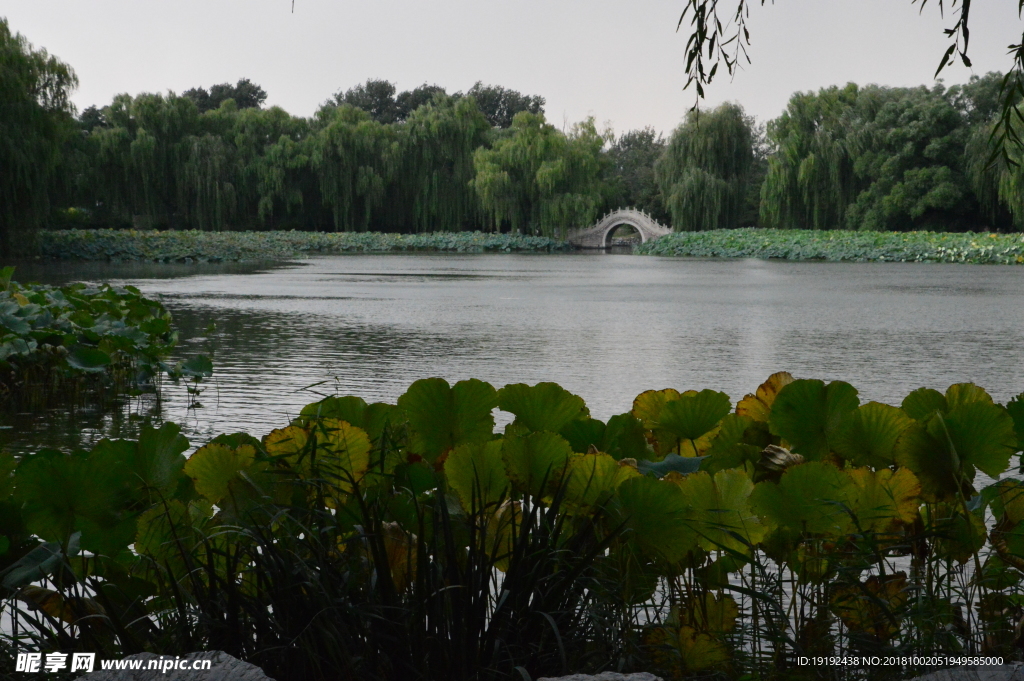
{"points": [[606, 327]]}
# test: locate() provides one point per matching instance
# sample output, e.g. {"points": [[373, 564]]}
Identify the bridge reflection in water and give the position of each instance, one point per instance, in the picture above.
{"points": [[599, 236]]}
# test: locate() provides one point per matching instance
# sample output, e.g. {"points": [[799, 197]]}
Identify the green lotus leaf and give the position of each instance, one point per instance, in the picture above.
{"points": [[196, 367], [537, 462], [868, 436], [960, 394], [648, 405], [213, 466], [39, 562], [884, 497], [656, 515], [167, 534], [442, 416], [673, 463], [932, 460], [350, 409], [582, 434], [1009, 499], [86, 492], [758, 407], [809, 498], [476, 472], [807, 414], [593, 478], [731, 447], [922, 404], [545, 406], [957, 537], [983, 435], [158, 460], [1015, 408], [720, 510], [235, 440], [91, 360], [692, 416], [624, 438]]}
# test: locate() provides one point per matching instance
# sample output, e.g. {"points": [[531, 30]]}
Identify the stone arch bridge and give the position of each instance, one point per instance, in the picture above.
{"points": [[599, 235]]}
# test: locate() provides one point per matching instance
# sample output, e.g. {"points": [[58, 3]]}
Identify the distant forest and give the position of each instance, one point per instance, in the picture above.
{"points": [[373, 158]]}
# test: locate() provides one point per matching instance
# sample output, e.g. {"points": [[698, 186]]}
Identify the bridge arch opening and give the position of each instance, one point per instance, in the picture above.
{"points": [[623, 235]]}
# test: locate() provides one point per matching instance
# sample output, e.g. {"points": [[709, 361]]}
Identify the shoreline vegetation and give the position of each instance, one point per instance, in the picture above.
{"points": [[691, 536], [792, 244]]}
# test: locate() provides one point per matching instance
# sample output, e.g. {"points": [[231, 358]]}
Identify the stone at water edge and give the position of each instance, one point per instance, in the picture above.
{"points": [[1003, 672], [606, 676], [223, 667]]}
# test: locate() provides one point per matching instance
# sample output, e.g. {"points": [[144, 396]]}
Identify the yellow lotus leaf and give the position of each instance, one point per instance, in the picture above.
{"points": [[476, 472], [883, 497], [500, 531], [213, 466], [400, 548], [873, 607], [759, 405], [593, 477], [1010, 495], [647, 405], [287, 443], [715, 615], [342, 453], [701, 651]]}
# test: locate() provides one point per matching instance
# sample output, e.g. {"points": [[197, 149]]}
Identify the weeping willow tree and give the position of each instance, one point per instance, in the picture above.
{"points": [[704, 171], [437, 142], [355, 159], [810, 181], [999, 185], [537, 180], [35, 121]]}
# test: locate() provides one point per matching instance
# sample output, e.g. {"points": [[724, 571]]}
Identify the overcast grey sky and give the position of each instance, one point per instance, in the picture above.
{"points": [[620, 61]]}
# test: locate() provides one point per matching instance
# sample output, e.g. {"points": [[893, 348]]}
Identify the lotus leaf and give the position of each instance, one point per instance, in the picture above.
{"points": [[711, 613], [700, 651], [1015, 408], [401, 552], [731, 447], [657, 517], [536, 463], [593, 478], [868, 436], [289, 444], [90, 360], [958, 537], [873, 607], [39, 562], [213, 466], [84, 491], [342, 454], [945, 450], [166, 534], [648, 405], [158, 460], [812, 498], [350, 409], [545, 406], [719, 511], [808, 414], [442, 416], [758, 406], [692, 416], [584, 434], [54, 604], [1009, 499], [476, 472], [884, 497], [960, 394]]}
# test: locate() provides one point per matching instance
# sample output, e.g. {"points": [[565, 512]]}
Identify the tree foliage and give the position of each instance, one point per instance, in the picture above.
{"points": [[245, 93], [705, 169], [537, 180], [879, 158], [631, 172], [35, 121]]}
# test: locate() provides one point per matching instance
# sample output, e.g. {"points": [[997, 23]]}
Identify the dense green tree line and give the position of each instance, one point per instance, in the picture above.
{"points": [[373, 158]]}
